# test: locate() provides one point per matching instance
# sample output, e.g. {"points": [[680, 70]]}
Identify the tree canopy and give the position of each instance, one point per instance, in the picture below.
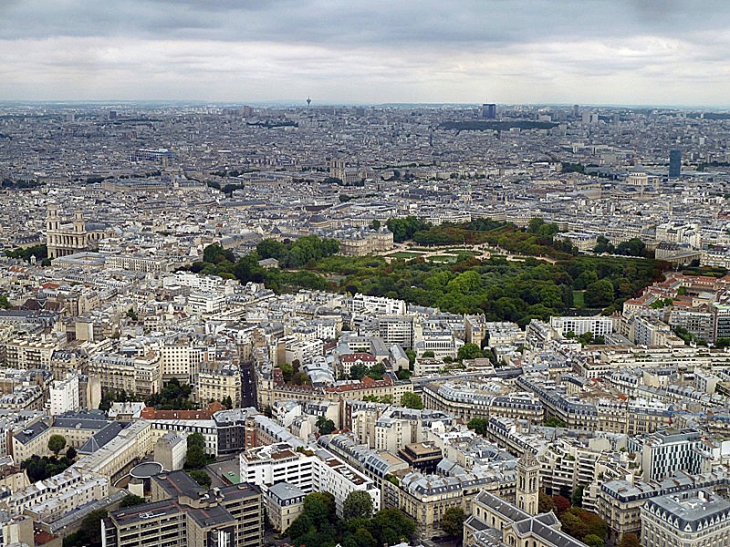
{"points": [[411, 400], [319, 526], [502, 290], [325, 425], [452, 522], [470, 351], [195, 457], [56, 443], [358, 504]]}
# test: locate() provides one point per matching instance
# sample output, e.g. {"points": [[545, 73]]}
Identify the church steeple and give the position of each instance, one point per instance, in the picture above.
{"points": [[528, 483]]}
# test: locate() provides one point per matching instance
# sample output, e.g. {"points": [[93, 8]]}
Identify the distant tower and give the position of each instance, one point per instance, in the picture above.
{"points": [[675, 163], [337, 169], [528, 483], [53, 224], [78, 222], [489, 111], [309, 101], [576, 110], [52, 218]]}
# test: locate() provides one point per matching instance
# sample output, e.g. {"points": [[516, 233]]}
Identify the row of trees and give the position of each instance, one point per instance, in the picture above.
{"points": [[24, 253], [21, 184], [632, 247]]}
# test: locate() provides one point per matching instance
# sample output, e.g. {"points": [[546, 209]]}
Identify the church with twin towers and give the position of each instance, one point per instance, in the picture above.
{"points": [[68, 236]]}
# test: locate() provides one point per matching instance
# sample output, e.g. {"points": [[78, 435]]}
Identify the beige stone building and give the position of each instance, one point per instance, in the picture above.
{"points": [[216, 382], [496, 522], [425, 498], [694, 518], [65, 238], [284, 503]]}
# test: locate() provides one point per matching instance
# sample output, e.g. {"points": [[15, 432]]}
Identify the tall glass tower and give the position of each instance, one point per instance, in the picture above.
{"points": [[675, 163]]}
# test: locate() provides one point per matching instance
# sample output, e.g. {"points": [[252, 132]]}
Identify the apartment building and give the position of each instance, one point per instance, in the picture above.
{"points": [[64, 395], [340, 479], [666, 451], [275, 463], [284, 503], [216, 382], [691, 518], [425, 498], [243, 502], [469, 400], [598, 326], [56, 496]]}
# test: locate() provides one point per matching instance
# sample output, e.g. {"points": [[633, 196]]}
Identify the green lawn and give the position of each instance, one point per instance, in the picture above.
{"points": [[578, 301]]}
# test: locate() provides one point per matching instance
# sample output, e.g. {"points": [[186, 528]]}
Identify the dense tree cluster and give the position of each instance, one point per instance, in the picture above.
{"points": [[21, 184], [478, 425], [24, 253], [469, 351], [297, 253], [131, 500], [632, 247], [38, 468], [502, 289], [405, 228], [319, 526], [201, 477], [452, 522], [174, 396], [293, 374], [579, 523], [358, 505], [359, 371]]}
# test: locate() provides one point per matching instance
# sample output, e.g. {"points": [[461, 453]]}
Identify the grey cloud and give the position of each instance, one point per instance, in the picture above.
{"points": [[427, 50], [345, 22]]}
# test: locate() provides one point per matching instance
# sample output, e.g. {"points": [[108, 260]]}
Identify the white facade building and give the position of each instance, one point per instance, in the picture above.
{"points": [[64, 395]]}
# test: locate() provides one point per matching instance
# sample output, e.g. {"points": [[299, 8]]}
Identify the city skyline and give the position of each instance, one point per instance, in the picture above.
{"points": [[638, 53]]}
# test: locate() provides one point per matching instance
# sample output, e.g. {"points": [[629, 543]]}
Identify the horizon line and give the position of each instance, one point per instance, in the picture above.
{"points": [[302, 103]]}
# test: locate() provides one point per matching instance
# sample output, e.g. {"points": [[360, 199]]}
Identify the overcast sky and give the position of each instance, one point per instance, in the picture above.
{"points": [[659, 52]]}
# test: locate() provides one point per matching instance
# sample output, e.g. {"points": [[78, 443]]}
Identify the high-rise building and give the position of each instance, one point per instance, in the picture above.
{"points": [[489, 111], [675, 163]]}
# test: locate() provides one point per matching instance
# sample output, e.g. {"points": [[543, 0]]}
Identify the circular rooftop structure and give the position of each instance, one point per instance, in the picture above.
{"points": [[146, 470]]}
